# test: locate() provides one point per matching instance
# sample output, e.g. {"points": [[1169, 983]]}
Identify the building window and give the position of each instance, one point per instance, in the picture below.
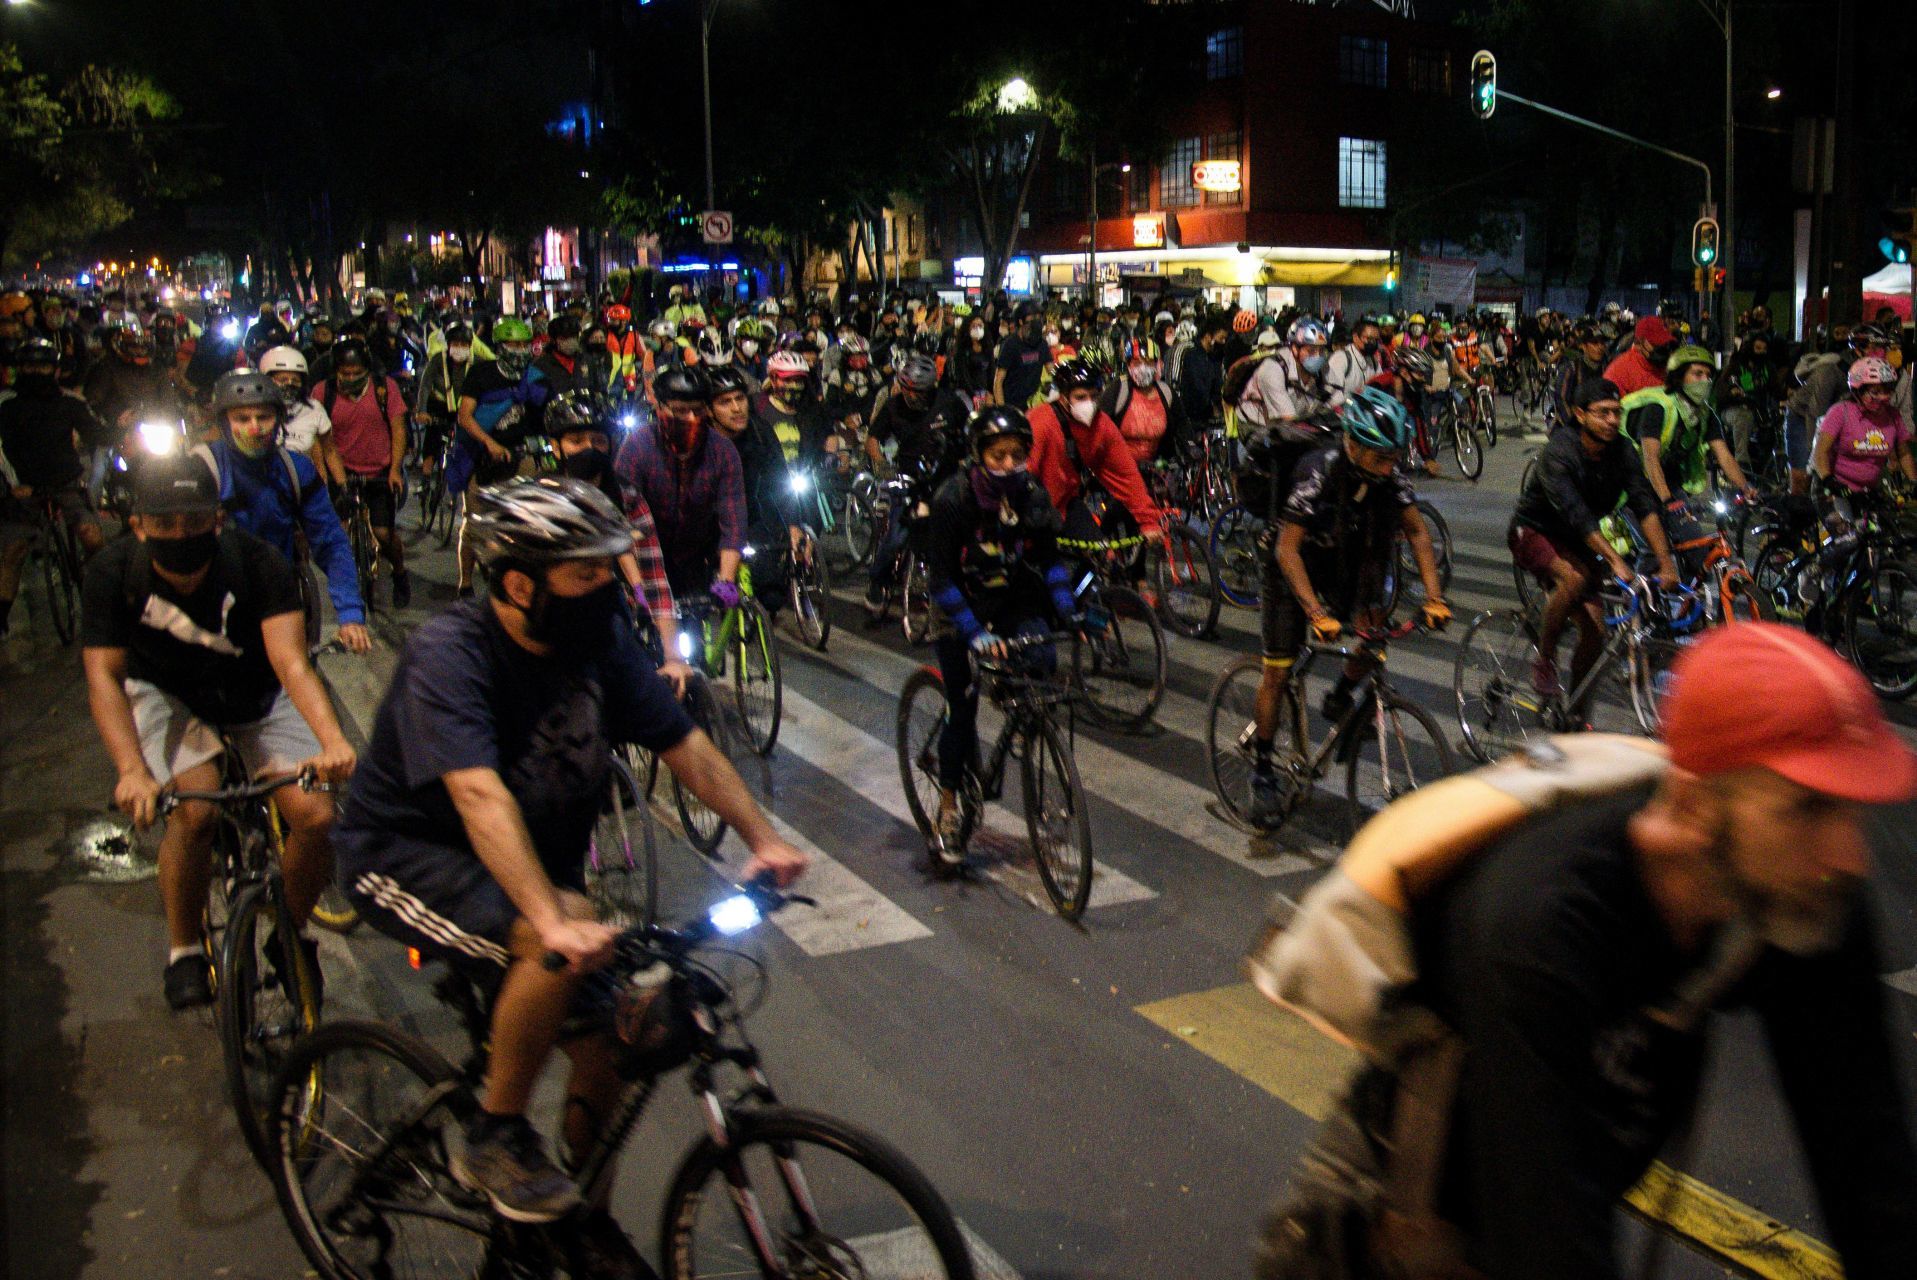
{"points": [[1174, 180], [1225, 53], [1361, 173], [1361, 61], [1141, 187], [1223, 146], [912, 234], [1429, 71]]}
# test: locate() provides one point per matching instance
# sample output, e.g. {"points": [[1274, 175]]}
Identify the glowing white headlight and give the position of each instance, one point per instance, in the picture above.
{"points": [[159, 437], [734, 915], [630, 421], [230, 330], [685, 646], [801, 482]]}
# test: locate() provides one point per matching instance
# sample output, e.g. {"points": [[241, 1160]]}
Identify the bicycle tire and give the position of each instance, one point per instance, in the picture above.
{"points": [[781, 1130], [1880, 627], [326, 1107], [56, 569], [758, 687], [915, 611], [1230, 714], [860, 533], [365, 554], [1498, 711], [1649, 678], [1185, 579], [1465, 448], [810, 586], [622, 874], [1234, 550], [455, 517], [1488, 417], [1403, 576], [334, 912], [1402, 764], [1775, 571], [704, 829], [256, 1028], [1122, 666], [1058, 818]]}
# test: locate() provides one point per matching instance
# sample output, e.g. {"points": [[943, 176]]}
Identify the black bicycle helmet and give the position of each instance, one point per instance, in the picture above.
{"points": [[723, 379], [351, 351], [564, 325], [244, 387], [36, 350], [681, 383], [536, 520], [1414, 363], [582, 410], [1071, 375], [918, 372], [994, 421]]}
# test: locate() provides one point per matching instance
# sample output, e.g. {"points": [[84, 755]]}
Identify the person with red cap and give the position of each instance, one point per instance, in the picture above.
{"points": [[1579, 954], [1643, 365]]}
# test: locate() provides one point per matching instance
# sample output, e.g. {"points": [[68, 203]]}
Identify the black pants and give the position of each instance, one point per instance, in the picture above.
{"points": [[958, 741]]}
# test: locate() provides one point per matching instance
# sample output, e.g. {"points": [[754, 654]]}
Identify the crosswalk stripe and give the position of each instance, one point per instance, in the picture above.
{"points": [[871, 768]]}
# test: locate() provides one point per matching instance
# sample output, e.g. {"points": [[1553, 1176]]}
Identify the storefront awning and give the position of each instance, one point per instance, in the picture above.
{"points": [[1221, 266]]}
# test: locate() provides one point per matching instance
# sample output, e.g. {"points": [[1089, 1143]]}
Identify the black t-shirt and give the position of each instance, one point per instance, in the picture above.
{"points": [[36, 434], [205, 649], [1546, 953], [1024, 365], [1350, 519], [1001, 569], [934, 434], [467, 696]]}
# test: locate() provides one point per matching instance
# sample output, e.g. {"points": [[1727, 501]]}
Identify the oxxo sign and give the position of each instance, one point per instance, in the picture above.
{"points": [[1148, 231], [1216, 175]]}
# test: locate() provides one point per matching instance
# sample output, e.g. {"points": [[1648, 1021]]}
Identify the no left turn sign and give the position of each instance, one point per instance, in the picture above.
{"points": [[715, 225]]}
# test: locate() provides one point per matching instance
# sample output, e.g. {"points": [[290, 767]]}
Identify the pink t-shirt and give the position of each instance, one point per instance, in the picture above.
{"points": [[1862, 443], [363, 435], [1144, 425]]}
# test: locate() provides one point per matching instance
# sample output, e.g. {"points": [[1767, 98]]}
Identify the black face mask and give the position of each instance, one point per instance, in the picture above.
{"points": [[184, 556], [34, 383], [588, 465], [576, 623]]}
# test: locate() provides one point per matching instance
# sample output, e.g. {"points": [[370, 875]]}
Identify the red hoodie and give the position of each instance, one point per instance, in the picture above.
{"points": [[1102, 450]]}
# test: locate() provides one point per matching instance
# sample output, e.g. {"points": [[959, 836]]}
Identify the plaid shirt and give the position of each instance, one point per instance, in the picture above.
{"points": [[696, 503], [652, 562]]}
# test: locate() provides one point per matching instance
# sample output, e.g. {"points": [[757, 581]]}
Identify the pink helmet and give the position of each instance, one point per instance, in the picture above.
{"points": [[787, 364], [1871, 371]]}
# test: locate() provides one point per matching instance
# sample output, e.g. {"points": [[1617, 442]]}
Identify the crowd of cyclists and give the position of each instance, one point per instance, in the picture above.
{"points": [[605, 469]]}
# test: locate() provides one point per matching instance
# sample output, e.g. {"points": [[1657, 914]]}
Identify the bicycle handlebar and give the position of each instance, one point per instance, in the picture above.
{"points": [[305, 779], [756, 899]]}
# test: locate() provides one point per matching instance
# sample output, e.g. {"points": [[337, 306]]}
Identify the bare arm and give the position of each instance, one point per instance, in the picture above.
{"points": [[1727, 463], [1291, 562], [1419, 536], [136, 791], [285, 636], [711, 777], [498, 831], [1820, 454], [1653, 469]]}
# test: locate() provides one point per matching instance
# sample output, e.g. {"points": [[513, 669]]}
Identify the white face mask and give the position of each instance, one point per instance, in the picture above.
{"points": [[1143, 375], [978, 331], [748, 347], [1051, 338], [459, 355], [1085, 411]]}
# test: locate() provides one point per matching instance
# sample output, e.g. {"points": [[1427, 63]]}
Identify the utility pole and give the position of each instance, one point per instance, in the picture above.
{"points": [[707, 8], [1091, 238], [1846, 281]]}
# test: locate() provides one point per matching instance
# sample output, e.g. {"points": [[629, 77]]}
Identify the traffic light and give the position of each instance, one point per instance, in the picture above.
{"points": [[1717, 279], [1704, 242], [1484, 83], [1902, 225], [1391, 281]]}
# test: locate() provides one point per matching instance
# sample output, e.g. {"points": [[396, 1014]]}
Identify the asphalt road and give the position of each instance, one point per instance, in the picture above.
{"points": [[1095, 1101]]}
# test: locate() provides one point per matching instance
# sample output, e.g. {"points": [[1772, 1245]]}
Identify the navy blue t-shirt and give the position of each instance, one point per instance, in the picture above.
{"points": [[467, 696]]}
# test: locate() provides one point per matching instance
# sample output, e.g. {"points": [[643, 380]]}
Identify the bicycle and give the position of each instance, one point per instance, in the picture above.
{"points": [[1448, 426], [1057, 814], [808, 576], [1402, 577], [622, 858], [1388, 745], [901, 499], [267, 995], [1118, 657], [61, 568], [435, 504], [744, 637], [1862, 598], [364, 1178], [1234, 549], [1180, 568], [1500, 709], [358, 519]]}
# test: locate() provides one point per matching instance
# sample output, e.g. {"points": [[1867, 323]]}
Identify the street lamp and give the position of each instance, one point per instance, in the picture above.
{"points": [[1773, 93], [1014, 95]]}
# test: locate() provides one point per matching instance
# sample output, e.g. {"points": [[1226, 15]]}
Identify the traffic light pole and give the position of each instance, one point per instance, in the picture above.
{"points": [[1607, 131]]}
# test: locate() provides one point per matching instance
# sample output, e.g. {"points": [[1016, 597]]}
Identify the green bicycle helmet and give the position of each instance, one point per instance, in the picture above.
{"points": [[512, 329], [1376, 420], [1690, 353]]}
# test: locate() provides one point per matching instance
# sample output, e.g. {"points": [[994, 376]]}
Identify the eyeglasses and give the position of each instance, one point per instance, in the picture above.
{"points": [[1607, 415]]}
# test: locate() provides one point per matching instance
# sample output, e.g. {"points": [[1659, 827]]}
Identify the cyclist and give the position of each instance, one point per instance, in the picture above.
{"points": [[440, 386], [996, 575], [926, 429], [1582, 476], [1858, 440], [1022, 356], [367, 447], [494, 404], [970, 368], [41, 431], [1143, 406], [631, 359], [560, 366], [190, 631], [787, 407], [1353, 366], [1747, 387], [1589, 349], [120, 389], [1642, 367], [853, 386], [690, 479], [1079, 456], [466, 831], [306, 419], [1335, 538], [1680, 435]]}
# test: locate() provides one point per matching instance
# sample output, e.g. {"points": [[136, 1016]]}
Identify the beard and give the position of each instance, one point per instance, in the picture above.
{"points": [[1803, 923]]}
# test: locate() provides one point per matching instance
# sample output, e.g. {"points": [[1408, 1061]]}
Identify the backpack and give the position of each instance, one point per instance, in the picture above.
{"points": [[1363, 1202], [379, 391], [1242, 371]]}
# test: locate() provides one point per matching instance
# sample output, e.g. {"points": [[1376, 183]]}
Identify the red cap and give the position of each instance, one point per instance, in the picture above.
{"points": [[1653, 330], [1755, 694]]}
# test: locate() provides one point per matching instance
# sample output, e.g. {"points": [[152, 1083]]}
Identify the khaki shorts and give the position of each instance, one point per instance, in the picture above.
{"points": [[173, 739]]}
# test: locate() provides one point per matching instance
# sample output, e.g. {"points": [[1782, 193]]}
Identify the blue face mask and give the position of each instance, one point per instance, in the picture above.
{"points": [[1313, 364]]}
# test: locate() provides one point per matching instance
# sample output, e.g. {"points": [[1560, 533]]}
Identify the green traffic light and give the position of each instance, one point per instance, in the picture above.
{"points": [[1705, 254]]}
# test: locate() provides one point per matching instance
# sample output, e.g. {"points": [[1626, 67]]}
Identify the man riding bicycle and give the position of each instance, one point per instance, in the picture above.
{"points": [[466, 831], [690, 479], [494, 406], [1680, 434], [926, 429], [1335, 538], [192, 632], [368, 447]]}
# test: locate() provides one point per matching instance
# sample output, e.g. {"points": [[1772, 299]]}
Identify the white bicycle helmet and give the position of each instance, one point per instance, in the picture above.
{"points": [[283, 360], [1871, 372]]}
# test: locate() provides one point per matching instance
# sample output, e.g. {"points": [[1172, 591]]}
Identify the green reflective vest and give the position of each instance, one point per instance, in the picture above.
{"points": [[1681, 435]]}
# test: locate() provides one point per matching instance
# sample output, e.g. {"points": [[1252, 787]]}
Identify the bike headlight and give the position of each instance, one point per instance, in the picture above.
{"points": [[733, 916], [159, 438], [685, 646], [747, 551], [1718, 505], [629, 421], [230, 330], [800, 482]]}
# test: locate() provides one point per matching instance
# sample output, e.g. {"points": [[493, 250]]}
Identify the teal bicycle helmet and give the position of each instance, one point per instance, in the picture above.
{"points": [[1376, 420]]}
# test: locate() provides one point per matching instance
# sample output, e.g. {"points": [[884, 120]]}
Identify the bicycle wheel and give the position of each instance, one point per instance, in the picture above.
{"points": [[359, 1142], [1186, 583], [1498, 710], [1399, 748], [758, 689], [1404, 578], [622, 862], [334, 912], [365, 553], [704, 829], [823, 1197], [268, 999], [1464, 438], [1231, 725], [1880, 627], [860, 528], [455, 506], [1650, 660], [915, 613], [1120, 664], [1058, 818], [56, 567], [1488, 416], [432, 492], [921, 719], [1234, 549], [1776, 572], [810, 585]]}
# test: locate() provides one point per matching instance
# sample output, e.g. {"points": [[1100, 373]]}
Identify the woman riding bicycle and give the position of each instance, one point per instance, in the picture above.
{"points": [[1856, 443], [992, 551]]}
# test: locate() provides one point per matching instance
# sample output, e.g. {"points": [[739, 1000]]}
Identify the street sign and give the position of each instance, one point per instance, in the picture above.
{"points": [[1148, 231], [715, 226], [1216, 175]]}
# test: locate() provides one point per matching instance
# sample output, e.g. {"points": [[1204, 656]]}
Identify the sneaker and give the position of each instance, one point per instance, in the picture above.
{"points": [[402, 589], [948, 844], [506, 1158], [1335, 706], [601, 1249], [1267, 799], [189, 982], [1544, 678]]}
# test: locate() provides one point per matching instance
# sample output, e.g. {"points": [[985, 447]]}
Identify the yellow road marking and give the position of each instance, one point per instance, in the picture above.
{"points": [[1243, 1032]]}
